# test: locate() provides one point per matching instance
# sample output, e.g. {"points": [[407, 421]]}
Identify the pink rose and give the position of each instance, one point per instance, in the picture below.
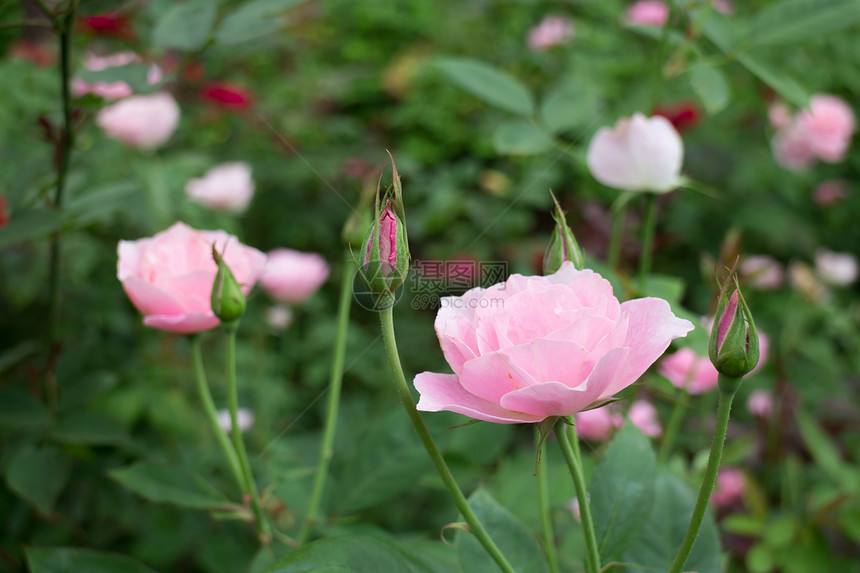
{"points": [[597, 424], [292, 276], [144, 121], [648, 13], [823, 131], [227, 187], [111, 90], [829, 192], [760, 403], [723, 6], [539, 346], [730, 487], [169, 277], [552, 31], [638, 154], [762, 271], [644, 416], [792, 149]]}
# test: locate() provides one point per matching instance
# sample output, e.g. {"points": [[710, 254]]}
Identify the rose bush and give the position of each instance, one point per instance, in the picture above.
{"points": [[169, 277], [534, 347]]}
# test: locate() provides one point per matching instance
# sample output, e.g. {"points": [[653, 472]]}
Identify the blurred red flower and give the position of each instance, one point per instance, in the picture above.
{"points": [[108, 24], [4, 212], [682, 115], [34, 53], [228, 96]]}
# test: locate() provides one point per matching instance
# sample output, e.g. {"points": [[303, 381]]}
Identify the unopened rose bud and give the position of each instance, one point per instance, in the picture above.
{"points": [[228, 301], [385, 253], [734, 345], [562, 246]]}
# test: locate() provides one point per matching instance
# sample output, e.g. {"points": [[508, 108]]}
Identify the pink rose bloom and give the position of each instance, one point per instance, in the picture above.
{"points": [[762, 271], [829, 124], [552, 31], [779, 115], [597, 424], [829, 192], [760, 403], [539, 346], [638, 154], [838, 269], [292, 276], [169, 277], [644, 416], [730, 487], [689, 371], [227, 187], [111, 90], [648, 13], [144, 121], [791, 148]]}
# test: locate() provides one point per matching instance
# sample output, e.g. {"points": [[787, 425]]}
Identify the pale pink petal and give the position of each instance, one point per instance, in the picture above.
{"points": [[546, 399], [493, 375], [444, 392], [150, 299], [182, 323]]}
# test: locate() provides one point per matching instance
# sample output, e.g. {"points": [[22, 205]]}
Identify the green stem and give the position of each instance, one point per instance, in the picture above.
{"points": [[648, 237], [570, 450], [249, 486], [543, 504], [211, 412], [659, 62], [475, 525], [327, 446], [615, 238], [723, 411], [674, 424]]}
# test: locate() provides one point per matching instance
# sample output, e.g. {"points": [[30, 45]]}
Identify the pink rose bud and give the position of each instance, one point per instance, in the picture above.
{"points": [[169, 277], [830, 192], [730, 487], [552, 31], [839, 269], [144, 122], [535, 347], [597, 424], [227, 187], [562, 245], [244, 419], [762, 272], [111, 90], [648, 13], [644, 416], [734, 344], [760, 403], [689, 371], [638, 154], [386, 254], [292, 276]]}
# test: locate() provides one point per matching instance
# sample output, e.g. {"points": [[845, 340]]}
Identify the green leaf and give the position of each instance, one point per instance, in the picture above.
{"points": [[74, 560], [517, 545], [622, 492], [89, 427], [353, 554], [826, 455], [38, 474], [30, 225], [185, 26], [710, 86], [170, 484], [785, 85], [655, 549], [489, 84], [521, 137], [21, 409], [135, 74], [100, 202], [569, 107], [718, 28], [794, 21], [252, 20]]}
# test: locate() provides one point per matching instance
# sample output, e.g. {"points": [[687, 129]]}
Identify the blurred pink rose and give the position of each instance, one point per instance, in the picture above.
{"points": [[144, 121], [539, 346], [823, 131], [638, 154], [111, 90], [762, 272], [760, 403], [169, 277], [644, 416], [648, 13], [694, 372], [779, 115], [552, 31], [829, 192], [838, 269], [723, 6], [730, 487], [226, 187], [292, 276], [597, 424]]}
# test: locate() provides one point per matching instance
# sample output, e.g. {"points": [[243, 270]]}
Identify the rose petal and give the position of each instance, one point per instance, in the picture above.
{"points": [[444, 392], [182, 323]]}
